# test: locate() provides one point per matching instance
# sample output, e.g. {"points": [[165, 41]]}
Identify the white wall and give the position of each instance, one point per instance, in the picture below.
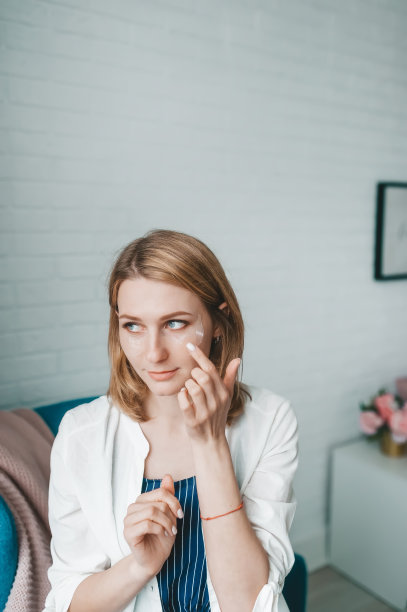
{"points": [[260, 127]]}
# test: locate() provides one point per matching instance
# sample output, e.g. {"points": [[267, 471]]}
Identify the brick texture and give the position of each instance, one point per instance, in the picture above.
{"points": [[260, 127]]}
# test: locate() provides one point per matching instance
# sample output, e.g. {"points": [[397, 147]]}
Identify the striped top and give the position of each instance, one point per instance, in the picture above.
{"points": [[182, 578]]}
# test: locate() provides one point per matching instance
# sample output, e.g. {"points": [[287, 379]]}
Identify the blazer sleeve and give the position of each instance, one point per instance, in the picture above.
{"points": [[270, 503], [76, 552]]}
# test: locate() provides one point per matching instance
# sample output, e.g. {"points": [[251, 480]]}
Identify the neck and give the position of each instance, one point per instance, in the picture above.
{"points": [[164, 410]]}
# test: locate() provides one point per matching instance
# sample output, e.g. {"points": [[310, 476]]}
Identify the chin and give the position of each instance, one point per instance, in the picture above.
{"points": [[164, 388]]}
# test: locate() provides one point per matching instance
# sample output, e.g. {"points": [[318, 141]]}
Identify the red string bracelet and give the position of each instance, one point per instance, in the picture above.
{"points": [[210, 518]]}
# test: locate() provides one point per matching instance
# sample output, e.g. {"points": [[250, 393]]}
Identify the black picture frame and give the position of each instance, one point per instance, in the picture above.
{"points": [[391, 231]]}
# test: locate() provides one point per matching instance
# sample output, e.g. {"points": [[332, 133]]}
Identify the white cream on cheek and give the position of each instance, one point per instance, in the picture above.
{"points": [[140, 339]]}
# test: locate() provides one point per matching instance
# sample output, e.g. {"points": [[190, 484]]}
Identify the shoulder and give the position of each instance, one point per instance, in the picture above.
{"points": [[85, 415], [266, 409], [266, 428], [89, 422], [268, 419]]}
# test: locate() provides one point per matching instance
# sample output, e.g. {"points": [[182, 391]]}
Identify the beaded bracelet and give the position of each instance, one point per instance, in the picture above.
{"points": [[210, 518]]}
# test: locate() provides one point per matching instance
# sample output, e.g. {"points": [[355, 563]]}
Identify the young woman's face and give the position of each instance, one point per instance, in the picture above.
{"points": [[156, 320]]}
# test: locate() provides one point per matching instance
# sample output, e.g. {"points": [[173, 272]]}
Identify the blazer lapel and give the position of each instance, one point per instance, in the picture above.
{"points": [[131, 449]]}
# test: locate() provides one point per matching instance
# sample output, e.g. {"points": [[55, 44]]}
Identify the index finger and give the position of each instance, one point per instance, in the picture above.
{"points": [[199, 356], [163, 495], [208, 367]]}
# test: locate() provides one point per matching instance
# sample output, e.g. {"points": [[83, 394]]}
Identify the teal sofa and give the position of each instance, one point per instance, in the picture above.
{"points": [[296, 583]]}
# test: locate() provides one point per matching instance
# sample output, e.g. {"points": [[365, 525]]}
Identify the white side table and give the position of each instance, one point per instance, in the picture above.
{"points": [[368, 522]]}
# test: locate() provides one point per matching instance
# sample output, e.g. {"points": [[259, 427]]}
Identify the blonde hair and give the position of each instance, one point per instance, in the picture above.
{"points": [[182, 260]]}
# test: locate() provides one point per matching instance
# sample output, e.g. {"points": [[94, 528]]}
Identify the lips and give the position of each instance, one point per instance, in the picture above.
{"points": [[163, 375]]}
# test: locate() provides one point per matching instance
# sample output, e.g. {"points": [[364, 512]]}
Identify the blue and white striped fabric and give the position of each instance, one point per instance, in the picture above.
{"points": [[182, 578]]}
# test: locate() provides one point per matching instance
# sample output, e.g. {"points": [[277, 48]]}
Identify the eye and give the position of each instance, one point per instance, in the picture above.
{"points": [[132, 327], [176, 324]]}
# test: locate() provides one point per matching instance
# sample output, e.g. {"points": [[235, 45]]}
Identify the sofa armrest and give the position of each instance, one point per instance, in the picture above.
{"points": [[52, 415], [8, 552]]}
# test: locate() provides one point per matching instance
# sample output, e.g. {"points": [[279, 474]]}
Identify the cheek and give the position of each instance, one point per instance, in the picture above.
{"points": [[206, 343], [126, 346], [122, 340]]}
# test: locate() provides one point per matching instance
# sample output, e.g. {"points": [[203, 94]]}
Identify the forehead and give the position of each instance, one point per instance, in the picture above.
{"points": [[138, 296]]}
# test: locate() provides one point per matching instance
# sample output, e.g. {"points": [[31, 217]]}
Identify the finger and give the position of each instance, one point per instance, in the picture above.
{"points": [[174, 506], [202, 360], [230, 375], [207, 366], [141, 508], [168, 483], [201, 377], [188, 409], [155, 514], [198, 398], [137, 532], [161, 494], [208, 385]]}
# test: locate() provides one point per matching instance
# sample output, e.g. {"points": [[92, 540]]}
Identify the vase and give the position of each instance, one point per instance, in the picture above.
{"points": [[391, 448]]}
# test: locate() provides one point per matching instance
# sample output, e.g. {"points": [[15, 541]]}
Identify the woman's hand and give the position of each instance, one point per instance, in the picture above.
{"points": [[149, 526], [205, 399]]}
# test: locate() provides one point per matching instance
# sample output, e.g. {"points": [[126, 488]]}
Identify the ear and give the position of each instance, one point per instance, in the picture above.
{"points": [[217, 331], [224, 307]]}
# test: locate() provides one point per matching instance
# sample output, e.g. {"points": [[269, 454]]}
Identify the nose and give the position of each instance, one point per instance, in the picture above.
{"points": [[156, 348]]}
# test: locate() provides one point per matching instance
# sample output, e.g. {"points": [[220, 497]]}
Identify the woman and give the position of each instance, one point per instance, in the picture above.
{"points": [[173, 491]]}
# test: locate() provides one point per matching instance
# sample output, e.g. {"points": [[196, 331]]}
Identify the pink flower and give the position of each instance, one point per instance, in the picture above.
{"points": [[398, 424], [401, 384], [370, 422], [386, 406]]}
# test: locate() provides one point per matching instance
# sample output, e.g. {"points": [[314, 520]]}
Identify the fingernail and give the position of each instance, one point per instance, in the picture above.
{"points": [[180, 513], [174, 530], [190, 346]]}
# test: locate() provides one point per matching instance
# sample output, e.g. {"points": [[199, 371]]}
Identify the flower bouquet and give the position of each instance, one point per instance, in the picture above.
{"points": [[385, 417]]}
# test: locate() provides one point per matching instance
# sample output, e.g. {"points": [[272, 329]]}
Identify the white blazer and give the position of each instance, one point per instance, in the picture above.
{"points": [[97, 467]]}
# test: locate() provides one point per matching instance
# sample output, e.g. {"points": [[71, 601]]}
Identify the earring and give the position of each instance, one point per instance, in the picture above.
{"points": [[217, 339]]}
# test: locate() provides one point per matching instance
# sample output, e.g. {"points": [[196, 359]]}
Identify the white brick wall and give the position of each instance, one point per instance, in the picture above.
{"points": [[262, 128]]}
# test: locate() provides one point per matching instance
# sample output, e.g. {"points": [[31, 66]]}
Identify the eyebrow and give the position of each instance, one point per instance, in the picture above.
{"points": [[165, 317]]}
